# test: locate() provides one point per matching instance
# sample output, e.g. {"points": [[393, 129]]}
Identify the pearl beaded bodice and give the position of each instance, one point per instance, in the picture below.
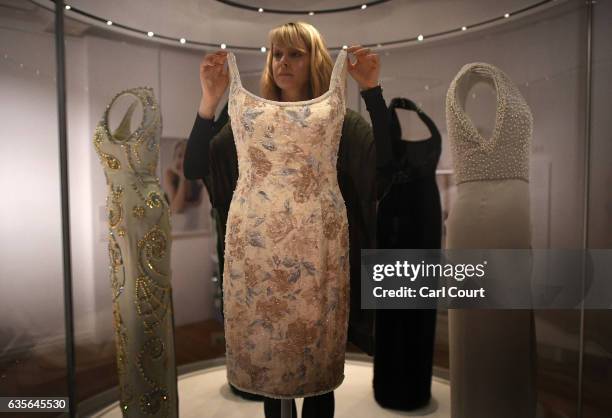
{"points": [[506, 154]]}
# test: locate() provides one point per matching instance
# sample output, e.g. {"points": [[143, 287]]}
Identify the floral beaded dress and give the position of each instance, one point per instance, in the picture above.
{"points": [[286, 264], [139, 252]]}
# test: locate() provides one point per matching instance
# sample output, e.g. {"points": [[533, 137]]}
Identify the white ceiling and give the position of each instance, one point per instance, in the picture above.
{"points": [[213, 22]]}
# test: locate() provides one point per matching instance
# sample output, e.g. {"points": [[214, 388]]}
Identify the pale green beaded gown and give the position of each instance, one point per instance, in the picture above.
{"points": [[139, 250]]}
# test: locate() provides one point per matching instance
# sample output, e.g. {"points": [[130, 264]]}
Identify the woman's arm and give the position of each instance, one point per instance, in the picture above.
{"points": [[212, 158], [379, 115], [197, 154], [366, 71], [214, 79]]}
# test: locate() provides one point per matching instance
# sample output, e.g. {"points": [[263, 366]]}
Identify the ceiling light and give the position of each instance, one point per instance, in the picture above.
{"points": [[182, 40], [260, 10], [150, 33], [363, 6], [68, 7], [463, 27], [109, 23], [223, 46], [263, 49], [420, 38], [507, 15], [311, 13]]}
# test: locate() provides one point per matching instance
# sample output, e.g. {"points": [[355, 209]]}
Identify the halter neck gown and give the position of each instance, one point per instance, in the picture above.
{"points": [[492, 352], [409, 216], [286, 261]]}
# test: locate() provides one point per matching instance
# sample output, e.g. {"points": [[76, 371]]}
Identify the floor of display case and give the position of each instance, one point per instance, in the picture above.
{"points": [[208, 390]]}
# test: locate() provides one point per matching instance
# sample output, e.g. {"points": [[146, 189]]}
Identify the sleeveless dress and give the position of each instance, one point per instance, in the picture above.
{"points": [[286, 264], [139, 252], [492, 352]]}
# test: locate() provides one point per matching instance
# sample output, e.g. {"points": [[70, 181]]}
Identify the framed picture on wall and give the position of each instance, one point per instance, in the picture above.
{"points": [[188, 199]]}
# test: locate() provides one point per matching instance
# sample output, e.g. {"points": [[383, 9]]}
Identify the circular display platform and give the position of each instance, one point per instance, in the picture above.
{"points": [[206, 394]]}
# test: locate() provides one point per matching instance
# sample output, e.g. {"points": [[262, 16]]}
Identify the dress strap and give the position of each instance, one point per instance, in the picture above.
{"points": [[338, 74], [233, 69]]}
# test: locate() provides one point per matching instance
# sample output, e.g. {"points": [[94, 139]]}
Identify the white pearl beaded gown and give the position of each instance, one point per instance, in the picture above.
{"points": [[492, 352], [286, 283], [139, 252]]}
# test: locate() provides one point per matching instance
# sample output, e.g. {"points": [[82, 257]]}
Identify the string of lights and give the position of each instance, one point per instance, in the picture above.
{"points": [[360, 6], [399, 42], [8, 60]]}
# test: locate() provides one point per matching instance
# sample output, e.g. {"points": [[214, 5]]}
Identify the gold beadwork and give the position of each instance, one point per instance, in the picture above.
{"points": [[153, 401], [152, 166], [110, 161], [153, 246], [138, 212], [115, 211], [152, 302], [117, 269], [153, 200], [154, 350], [121, 340], [141, 282]]}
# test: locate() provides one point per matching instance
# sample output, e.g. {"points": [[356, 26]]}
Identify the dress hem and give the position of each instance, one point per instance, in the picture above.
{"points": [[275, 396]]}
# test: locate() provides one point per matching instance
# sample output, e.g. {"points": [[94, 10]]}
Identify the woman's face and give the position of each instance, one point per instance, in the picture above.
{"points": [[290, 67], [179, 154]]}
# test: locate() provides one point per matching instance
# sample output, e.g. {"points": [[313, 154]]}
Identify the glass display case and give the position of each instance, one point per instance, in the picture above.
{"points": [[51, 345]]}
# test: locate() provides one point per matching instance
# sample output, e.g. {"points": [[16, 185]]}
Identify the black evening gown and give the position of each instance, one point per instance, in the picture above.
{"points": [[410, 217]]}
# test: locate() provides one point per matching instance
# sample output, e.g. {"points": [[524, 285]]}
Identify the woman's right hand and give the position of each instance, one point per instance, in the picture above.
{"points": [[214, 79]]}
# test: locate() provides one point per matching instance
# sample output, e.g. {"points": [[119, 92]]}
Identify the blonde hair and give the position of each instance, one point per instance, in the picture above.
{"points": [[296, 35]]}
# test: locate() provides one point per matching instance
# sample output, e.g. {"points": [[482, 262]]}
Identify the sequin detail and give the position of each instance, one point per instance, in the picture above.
{"points": [[139, 254], [286, 244], [506, 154]]}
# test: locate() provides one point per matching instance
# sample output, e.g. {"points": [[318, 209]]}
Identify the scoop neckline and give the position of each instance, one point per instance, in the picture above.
{"points": [[279, 103]]}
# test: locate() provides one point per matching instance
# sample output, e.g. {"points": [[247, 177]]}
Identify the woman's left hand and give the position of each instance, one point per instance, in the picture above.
{"points": [[366, 68]]}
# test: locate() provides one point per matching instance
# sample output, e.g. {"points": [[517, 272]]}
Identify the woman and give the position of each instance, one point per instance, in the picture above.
{"points": [[183, 194], [298, 68]]}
